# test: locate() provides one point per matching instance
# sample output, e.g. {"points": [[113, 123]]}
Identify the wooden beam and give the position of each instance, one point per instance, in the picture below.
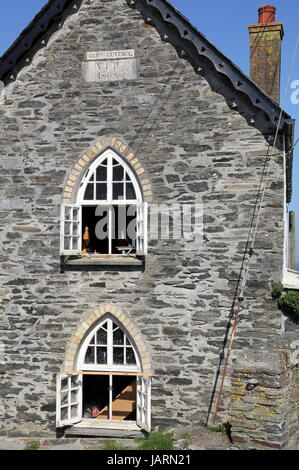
{"points": [[133, 374]]}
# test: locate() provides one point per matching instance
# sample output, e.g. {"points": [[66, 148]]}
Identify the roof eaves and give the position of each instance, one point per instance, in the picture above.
{"points": [[34, 37], [222, 64]]}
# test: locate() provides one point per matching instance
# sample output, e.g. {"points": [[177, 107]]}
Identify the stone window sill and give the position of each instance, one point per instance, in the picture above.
{"points": [[105, 260]]}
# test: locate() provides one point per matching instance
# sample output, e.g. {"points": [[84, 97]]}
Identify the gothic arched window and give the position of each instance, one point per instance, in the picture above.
{"points": [[107, 384], [109, 216], [108, 347]]}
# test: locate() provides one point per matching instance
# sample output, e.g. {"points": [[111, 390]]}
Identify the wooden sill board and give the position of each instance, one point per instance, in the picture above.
{"points": [[107, 424], [101, 428], [103, 261]]}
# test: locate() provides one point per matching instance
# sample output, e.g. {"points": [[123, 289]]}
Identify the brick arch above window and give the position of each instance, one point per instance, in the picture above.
{"points": [[95, 317], [90, 155]]}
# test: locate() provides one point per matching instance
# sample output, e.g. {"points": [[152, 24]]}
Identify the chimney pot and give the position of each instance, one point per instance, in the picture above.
{"points": [[267, 14]]}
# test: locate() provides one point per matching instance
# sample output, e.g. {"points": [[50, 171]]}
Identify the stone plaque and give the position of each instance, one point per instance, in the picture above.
{"points": [[107, 66], [108, 55]]}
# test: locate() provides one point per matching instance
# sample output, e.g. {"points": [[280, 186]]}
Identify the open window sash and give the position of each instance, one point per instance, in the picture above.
{"points": [[71, 229], [143, 403], [68, 400], [141, 229]]}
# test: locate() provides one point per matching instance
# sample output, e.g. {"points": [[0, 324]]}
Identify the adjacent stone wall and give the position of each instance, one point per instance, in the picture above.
{"points": [[264, 401]]}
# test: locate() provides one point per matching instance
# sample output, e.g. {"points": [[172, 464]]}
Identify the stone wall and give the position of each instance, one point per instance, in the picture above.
{"points": [[192, 146], [264, 401]]}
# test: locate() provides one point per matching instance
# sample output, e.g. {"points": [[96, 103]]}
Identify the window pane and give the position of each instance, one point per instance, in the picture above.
{"points": [[118, 173], [64, 383], [89, 192], [74, 380], [67, 243], [64, 398], [114, 162], [75, 228], [101, 336], [75, 214], [74, 396], [67, 213], [89, 357], [101, 191], [64, 413], [118, 355], [74, 411], [75, 243], [118, 337], [101, 355], [130, 191], [118, 191], [92, 340], [67, 228], [101, 173], [130, 356], [104, 162]]}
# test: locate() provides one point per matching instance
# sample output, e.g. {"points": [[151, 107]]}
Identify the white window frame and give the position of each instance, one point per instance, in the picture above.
{"points": [[109, 366], [74, 232], [141, 207], [141, 229], [143, 402], [143, 383], [69, 404], [109, 155]]}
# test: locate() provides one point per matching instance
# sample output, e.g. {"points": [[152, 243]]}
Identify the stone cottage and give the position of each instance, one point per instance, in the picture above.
{"points": [[144, 180]]}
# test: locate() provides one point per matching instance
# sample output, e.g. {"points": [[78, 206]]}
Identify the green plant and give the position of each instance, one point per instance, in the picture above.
{"points": [[33, 445], [224, 428], [185, 435], [113, 445], [156, 441], [277, 290], [289, 303], [217, 428]]}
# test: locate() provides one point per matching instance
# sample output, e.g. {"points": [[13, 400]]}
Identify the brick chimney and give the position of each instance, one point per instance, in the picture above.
{"points": [[265, 52]]}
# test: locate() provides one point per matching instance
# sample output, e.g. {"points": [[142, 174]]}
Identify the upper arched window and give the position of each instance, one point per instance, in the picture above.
{"points": [[109, 179], [109, 217]]}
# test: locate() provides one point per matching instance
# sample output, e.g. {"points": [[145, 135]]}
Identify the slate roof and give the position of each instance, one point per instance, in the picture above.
{"points": [[172, 26]]}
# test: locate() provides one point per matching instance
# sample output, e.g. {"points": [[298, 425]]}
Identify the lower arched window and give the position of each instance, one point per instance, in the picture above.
{"points": [[108, 385], [108, 347]]}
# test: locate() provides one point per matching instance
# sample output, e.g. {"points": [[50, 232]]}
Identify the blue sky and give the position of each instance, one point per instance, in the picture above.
{"points": [[225, 25]]}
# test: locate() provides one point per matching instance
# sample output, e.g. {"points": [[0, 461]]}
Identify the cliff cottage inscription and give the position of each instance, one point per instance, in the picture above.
{"points": [[107, 66]]}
